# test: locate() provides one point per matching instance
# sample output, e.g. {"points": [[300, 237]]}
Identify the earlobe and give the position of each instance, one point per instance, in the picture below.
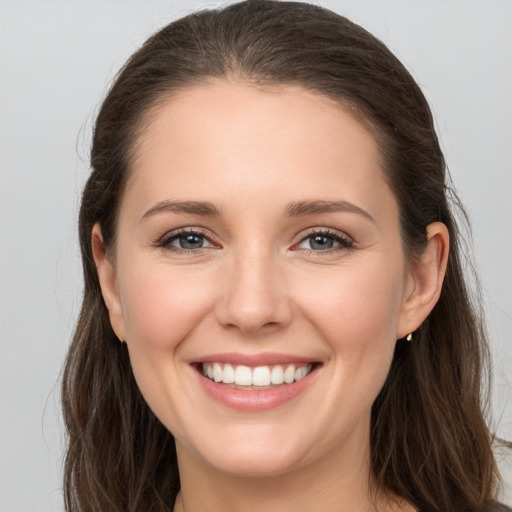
{"points": [[108, 282], [426, 277]]}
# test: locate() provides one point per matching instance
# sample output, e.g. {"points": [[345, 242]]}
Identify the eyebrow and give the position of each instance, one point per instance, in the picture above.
{"points": [[303, 208], [295, 209], [203, 208]]}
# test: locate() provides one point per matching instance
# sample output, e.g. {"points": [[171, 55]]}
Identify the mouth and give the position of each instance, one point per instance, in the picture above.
{"points": [[253, 386], [255, 378]]}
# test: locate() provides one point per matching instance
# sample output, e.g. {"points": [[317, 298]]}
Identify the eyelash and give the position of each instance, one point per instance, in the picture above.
{"points": [[342, 241], [166, 241]]}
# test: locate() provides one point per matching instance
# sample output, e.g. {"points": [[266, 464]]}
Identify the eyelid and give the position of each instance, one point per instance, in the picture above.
{"points": [[164, 241], [345, 241]]}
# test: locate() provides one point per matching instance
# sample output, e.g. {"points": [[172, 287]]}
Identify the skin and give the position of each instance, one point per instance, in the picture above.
{"points": [[258, 285]]}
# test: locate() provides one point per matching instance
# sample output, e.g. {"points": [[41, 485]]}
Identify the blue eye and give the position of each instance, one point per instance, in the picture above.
{"points": [[190, 241], [186, 241], [321, 242], [324, 242]]}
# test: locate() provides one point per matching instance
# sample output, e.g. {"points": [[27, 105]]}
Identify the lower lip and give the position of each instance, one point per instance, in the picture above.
{"points": [[255, 400]]}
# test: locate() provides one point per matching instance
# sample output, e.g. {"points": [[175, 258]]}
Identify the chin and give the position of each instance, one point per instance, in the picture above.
{"points": [[254, 463], [251, 454]]}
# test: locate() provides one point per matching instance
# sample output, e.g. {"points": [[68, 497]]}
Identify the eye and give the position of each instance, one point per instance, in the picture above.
{"points": [[324, 241], [185, 240]]}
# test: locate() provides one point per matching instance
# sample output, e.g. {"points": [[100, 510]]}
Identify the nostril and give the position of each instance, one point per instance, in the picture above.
{"points": [[253, 298]]}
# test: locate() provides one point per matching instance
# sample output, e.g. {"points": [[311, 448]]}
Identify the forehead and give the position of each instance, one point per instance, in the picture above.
{"points": [[222, 137], [243, 109]]}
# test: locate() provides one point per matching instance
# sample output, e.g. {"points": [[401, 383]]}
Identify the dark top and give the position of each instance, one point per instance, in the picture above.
{"points": [[495, 507]]}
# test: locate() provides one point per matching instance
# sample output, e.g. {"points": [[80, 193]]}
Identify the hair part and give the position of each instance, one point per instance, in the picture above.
{"points": [[429, 440]]}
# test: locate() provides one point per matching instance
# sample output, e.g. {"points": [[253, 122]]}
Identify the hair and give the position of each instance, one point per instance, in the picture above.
{"points": [[430, 442]]}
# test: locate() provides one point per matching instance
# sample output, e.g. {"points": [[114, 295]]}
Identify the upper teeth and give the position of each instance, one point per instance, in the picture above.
{"points": [[258, 376]]}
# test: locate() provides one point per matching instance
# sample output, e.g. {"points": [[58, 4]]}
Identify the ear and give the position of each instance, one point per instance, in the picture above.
{"points": [[425, 280], [108, 282]]}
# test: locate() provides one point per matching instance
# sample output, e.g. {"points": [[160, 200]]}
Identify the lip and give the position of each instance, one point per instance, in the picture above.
{"points": [[255, 400], [253, 360]]}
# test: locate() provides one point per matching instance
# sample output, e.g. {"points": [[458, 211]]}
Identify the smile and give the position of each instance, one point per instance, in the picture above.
{"points": [[255, 383], [259, 377]]}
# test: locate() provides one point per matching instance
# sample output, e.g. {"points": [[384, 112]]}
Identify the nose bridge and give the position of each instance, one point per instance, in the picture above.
{"points": [[255, 297]]}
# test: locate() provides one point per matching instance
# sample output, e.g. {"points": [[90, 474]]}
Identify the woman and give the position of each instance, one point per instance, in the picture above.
{"points": [[274, 314]]}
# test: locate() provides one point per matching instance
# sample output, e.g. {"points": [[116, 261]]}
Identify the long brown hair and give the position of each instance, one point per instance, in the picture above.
{"points": [[429, 439]]}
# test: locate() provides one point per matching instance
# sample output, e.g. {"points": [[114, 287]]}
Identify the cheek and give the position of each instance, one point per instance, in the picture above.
{"points": [[356, 310], [161, 305], [359, 305]]}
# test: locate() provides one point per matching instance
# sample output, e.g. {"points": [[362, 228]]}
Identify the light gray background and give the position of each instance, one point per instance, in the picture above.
{"points": [[56, 59]]}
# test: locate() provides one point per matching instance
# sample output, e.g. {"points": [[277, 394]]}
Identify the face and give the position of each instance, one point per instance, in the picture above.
{"points": [[259, 277]]}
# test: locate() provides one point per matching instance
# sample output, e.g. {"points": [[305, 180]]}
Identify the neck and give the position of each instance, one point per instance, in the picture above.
{"points": [[334, 483]]}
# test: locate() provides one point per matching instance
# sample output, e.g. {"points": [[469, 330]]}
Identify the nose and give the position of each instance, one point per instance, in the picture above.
{"points": [[255, 299]]}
